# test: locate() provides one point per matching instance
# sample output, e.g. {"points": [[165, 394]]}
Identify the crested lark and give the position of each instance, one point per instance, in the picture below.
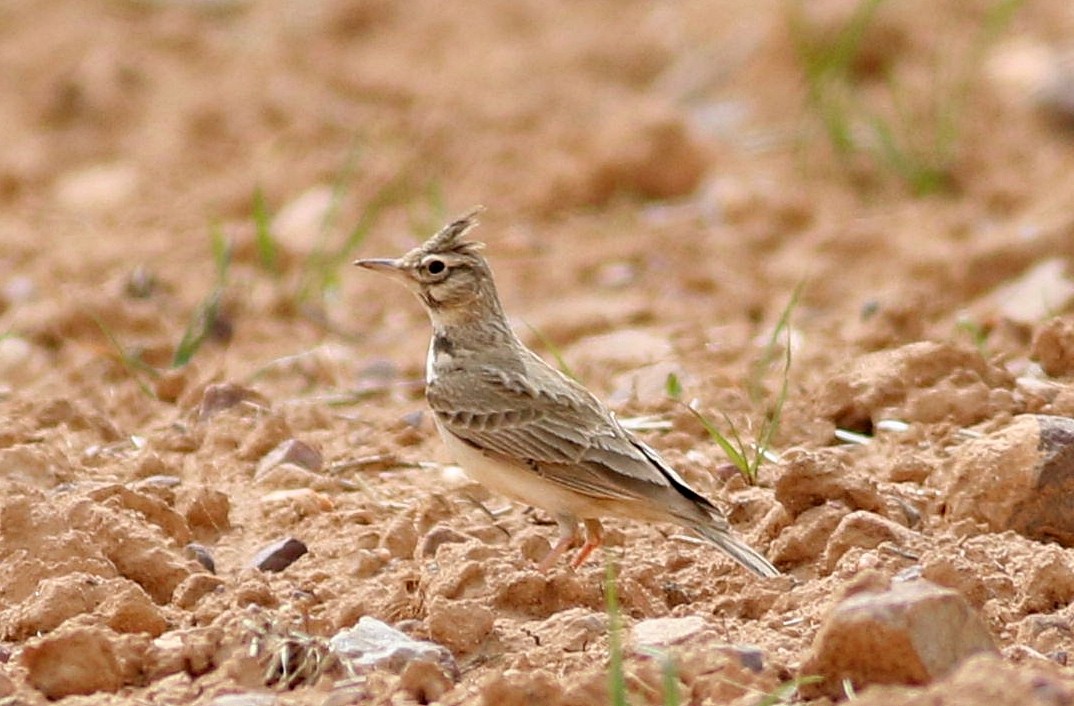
{"points": [[528, 432]]}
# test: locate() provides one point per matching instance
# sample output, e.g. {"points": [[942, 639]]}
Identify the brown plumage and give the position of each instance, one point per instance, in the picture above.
{"points": [[524, 429]]}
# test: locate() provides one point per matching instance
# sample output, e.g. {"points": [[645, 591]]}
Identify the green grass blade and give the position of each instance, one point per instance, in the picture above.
{"points": [[736, 457], [555, 352], [205, 315], [786, 691], [673, 387], [197, 330], [221, 249], [616, 672], [135, 367], [669, 673], [268, 252]]}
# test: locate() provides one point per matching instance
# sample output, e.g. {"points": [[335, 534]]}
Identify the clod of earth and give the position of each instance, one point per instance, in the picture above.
{"points": [[1020, 477], [912, 633]]}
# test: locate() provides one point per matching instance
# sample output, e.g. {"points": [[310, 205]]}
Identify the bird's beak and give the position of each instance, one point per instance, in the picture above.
{"points": [[386, 265]]}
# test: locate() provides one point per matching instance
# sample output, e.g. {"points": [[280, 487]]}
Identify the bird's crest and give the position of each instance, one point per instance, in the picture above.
{"points": [[449, 238]]}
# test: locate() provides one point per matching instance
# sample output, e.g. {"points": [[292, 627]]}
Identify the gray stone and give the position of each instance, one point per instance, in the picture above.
{"points": [[372, 644], [279, 555]]}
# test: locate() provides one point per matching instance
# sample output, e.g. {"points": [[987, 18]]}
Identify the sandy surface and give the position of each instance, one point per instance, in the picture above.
{"points": [[657, 188]]}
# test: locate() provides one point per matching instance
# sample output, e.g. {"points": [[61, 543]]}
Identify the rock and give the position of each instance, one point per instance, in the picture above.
{"points": [[1053, 346], [291, 451], [194, 651], [661, 633], [750, 657], [207, 513], [982, 679], [119, 602], [1050, 583], [249, 698], [202, 555], [1032, 296], [7, 687], [653, 155], [78, 661], [807, 538], [299, 502], [196, 586], [299, 224], [440, 535], [924, 381], [460, 625], [868, 531], [401, 538], [664, 632], [224, 395], [524, 688], [425, 682], [100, 188], [1055, 94], [127, 608], [1020, 478], [279, 555], [138, 550], [20, 360], [152, 509], [573, 629], [912, 633], [373, 644], [810, 478]]}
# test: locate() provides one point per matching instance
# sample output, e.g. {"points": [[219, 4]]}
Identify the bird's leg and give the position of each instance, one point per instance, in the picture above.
{"points": [[568, 530], [594, 537]]}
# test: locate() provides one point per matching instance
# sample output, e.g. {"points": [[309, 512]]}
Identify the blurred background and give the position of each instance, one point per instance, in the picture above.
{"points": [[842, 228]]}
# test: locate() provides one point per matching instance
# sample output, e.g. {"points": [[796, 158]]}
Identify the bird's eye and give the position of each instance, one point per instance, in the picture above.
{"points": [[435, 267]]}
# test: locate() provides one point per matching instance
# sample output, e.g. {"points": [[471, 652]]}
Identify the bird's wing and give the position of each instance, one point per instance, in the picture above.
{"points": [[558, 430]]}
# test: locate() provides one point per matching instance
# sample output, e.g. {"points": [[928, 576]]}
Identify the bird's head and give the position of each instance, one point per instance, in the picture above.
{"points": [[447, 273]]}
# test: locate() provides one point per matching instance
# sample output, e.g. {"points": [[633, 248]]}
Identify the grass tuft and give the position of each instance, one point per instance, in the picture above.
{"points": [[918, 142], [747, 458], [204, 319]]}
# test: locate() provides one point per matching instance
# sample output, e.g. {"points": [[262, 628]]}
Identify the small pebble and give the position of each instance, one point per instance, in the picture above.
{"points": [[438, 536], [201, 555], [292, 451], [279, 555], [223, 396]]}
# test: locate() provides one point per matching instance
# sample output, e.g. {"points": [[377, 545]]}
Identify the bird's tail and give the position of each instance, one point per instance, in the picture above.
{"points": [[737, 550]]}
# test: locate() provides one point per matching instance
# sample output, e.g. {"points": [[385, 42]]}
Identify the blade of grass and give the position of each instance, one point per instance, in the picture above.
{"points": [[268, 253], [786, 691], [206, 313], [320, 273], [555, 352], [768, 353], [734, 455], [669, 672], [616, 671], [135, 367]]}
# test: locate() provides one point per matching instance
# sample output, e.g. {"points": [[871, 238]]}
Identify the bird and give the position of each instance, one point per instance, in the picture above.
{"points": [[527, 431]]}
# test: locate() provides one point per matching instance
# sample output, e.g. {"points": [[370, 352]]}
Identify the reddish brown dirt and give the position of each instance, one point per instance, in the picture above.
{"points": [[656, 190]]}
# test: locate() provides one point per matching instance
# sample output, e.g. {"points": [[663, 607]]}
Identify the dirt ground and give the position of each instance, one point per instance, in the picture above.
{"points": [[657, 186]]}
